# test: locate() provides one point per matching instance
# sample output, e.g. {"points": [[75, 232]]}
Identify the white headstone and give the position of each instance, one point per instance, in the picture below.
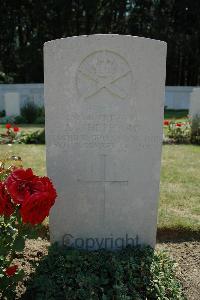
{"points": [[195, 102], [12, 104], [104, 98]]}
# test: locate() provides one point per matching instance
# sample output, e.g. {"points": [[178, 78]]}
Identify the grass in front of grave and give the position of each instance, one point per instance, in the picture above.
{"points": [[33, 156], [180, 114], [179, 207], [179, 188], [26, 128]]}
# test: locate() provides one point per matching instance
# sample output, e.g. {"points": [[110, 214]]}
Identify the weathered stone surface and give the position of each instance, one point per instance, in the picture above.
{"points": [[104, 97], [195, 102], [12, 104]]}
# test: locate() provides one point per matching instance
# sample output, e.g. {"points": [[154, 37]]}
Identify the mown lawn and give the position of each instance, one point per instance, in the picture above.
{"points": [[180, 187], [180, 182], [33, 156]]}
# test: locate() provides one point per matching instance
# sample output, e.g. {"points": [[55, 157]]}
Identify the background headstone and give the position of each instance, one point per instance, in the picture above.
{"points": [[104, 98], [195, 103], [12, 104]]}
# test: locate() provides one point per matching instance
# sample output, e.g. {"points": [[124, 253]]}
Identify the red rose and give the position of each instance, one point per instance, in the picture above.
{"points": [[36, 195], [16, 129], [44, 184], [18, 184], [10, 271], [166, 122], [178, 124], [6, 207], [35, 208], [8, 126]]}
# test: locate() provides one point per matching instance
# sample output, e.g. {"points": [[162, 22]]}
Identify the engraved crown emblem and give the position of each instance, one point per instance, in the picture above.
{"points": [[104, 66]]}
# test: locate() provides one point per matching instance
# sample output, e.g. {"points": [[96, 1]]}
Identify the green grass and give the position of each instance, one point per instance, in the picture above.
{"points": [[33, 156], [179, 189]]}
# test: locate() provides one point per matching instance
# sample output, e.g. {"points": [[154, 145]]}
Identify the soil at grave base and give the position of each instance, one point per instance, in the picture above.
{"points": [[187, 257], [186, 254]]}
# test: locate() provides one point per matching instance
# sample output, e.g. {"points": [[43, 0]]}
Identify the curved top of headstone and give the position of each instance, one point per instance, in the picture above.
{"points": [[105, 36]]}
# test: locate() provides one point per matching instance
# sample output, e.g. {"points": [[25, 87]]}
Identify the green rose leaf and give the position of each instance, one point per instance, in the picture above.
{"points": [[19, 244]]}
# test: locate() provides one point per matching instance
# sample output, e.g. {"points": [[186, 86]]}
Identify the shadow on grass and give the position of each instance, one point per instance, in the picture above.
{"points": [[177, 235], [43, 232], [165, 234], [79, 274], [132, 273]]}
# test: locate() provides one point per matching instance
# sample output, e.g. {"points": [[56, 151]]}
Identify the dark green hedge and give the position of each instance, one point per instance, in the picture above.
{"points": [[138, 273]]}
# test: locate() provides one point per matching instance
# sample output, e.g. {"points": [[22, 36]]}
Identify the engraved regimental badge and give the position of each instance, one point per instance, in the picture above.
{"points": [[104, 70]]}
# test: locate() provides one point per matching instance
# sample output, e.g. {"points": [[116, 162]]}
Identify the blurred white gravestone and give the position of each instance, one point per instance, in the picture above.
{"points": [[12, 104], [195, 103], [104, 98]]}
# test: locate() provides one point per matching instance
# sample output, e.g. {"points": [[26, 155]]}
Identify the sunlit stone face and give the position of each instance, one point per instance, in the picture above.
{"points": [[104, 98]]}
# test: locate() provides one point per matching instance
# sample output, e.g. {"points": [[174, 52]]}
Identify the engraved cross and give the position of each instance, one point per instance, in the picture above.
{"points": [[104, 180]]}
